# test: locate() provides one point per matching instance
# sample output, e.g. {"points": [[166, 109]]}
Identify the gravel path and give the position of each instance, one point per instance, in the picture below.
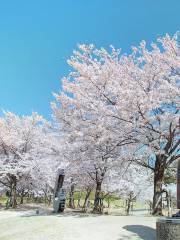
{"points": [[74, 226]]}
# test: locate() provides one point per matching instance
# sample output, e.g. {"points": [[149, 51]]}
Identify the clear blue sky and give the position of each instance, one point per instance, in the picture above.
{"points": [[37, 37]]}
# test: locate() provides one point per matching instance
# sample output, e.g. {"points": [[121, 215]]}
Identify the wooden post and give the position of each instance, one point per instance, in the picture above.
{"points": [[178, 185]]}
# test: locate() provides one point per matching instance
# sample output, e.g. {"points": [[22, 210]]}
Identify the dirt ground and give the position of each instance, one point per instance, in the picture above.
{"points": [[27, 225]]}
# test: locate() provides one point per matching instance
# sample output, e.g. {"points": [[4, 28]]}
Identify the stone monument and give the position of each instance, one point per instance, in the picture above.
{"points": [[59, 192], [169, 228]]}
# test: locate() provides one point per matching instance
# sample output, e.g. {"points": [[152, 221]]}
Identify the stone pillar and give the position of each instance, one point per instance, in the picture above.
{"points": [[168, 229]]}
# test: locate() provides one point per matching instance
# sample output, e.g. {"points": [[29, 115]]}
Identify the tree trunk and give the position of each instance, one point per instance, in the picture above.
{"points": [[22, 194], [128, 203], [108, 202], [79, 200], [14, 193], [88, 192], [168, 196], [9, 194], [158, 182], [22, 199], [97, 202], [49, 200], [71, 197], [128, 206]]}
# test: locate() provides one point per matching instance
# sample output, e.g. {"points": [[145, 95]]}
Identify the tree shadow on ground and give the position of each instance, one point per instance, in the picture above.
{"points": [[144, 232]]}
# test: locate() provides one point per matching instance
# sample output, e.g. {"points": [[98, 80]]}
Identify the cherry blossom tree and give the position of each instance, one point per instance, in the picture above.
{"points": [[88, 168], [130, 183], [24, 146], [156, 101], [112, 100]]}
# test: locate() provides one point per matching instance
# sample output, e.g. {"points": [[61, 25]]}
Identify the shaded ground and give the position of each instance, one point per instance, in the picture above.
{"points": [[26, 225]]}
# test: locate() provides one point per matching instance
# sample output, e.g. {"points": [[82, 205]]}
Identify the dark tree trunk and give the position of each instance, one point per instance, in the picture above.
{"points": [[128, 206], [71, 197], [108, 202], [150, 207], [22, 194], [158, 182], [88, 192], [49, 200], [128, 203], [22, 199], [9, 194], [14, 193], [79, 200], [97, 199]]}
